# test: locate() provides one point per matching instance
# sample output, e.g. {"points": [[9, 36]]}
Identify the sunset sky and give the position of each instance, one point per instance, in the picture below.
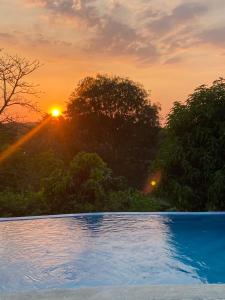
{"points": [[171, 46]]}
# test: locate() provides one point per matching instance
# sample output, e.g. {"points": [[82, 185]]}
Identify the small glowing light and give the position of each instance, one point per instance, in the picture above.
{"points": [[56, 112], [153, 183]]}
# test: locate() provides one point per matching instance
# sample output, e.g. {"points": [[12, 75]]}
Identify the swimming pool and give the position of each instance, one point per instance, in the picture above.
{"points": [[94, 250]]}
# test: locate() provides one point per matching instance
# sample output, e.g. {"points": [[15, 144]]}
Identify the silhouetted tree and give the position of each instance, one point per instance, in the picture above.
{"points": [[13, 85], [114, 117]]}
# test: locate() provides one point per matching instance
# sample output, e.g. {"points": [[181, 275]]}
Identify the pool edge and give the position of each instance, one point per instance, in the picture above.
{"points": [[146, 292], [24, 218]]}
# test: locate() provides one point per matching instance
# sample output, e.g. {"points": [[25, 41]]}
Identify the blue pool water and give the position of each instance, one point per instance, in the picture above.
{"points": [[112, 249]]}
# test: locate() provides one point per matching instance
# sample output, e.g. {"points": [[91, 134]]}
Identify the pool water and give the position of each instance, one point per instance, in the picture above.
{"points": [[112, 249]]}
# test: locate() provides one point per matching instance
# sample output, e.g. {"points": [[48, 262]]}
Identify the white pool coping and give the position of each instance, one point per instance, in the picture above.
{"points": [[181, 213], [150, 292]]}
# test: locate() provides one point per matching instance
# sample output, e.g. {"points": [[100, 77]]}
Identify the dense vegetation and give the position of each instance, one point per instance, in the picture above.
{"points": [[96, 158], [108, 153], [192, 155]]}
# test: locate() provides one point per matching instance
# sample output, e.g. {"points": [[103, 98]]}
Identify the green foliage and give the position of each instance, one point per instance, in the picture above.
{"points": [[192, 155], [82, 186], [14, 204], [23, 172], [87, 185], [6, 136], [131, 200], [51, 138], [114, 117]]}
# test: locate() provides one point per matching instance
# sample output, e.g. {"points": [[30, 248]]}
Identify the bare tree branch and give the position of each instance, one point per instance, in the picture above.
{"points": [[13, 85]]}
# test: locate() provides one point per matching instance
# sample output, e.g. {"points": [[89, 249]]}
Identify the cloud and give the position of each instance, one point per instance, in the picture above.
{"points": [[180, 15], [6, 36], [173, 60], [39, 43], [82, 10], [109, 35], [116, 38], [145, 31], [215, 36]]}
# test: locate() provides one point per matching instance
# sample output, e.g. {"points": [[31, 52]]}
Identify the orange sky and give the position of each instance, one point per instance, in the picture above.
{"points": [[170, 46]]}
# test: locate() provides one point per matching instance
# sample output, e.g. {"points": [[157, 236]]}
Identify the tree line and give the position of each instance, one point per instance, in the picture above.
{"points": [[108, 152]]}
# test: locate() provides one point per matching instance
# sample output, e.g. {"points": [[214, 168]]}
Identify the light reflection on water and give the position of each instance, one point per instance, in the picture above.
{"points": [[109, 249]]}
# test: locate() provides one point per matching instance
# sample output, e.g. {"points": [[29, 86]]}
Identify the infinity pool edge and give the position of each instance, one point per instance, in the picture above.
{"points": [[24, 218]]}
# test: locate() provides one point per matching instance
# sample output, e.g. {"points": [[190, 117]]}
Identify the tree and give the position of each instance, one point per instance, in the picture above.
{"points": [[14, 88], [14, 204], [7, 135], [191, 158], [15, 171], [51, 137], [114, 117], [82, 186], [132, 200]]}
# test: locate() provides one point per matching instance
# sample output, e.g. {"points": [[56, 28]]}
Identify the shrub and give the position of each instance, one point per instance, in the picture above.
{"points": [[131, 200], [14, 204]]}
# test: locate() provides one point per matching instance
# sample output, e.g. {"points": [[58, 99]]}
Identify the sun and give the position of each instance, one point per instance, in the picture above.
{"points": [[56, 112]]}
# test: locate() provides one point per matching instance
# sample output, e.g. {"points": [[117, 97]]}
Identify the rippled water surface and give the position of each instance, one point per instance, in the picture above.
{"points": [[105, 249]]}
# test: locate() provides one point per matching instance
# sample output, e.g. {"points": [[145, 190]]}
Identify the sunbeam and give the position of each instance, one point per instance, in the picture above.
{"points": [[13, 148]]}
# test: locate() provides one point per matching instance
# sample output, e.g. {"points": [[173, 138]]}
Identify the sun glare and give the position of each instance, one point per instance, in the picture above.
{"points": [[153, 183], [56, 112]]}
